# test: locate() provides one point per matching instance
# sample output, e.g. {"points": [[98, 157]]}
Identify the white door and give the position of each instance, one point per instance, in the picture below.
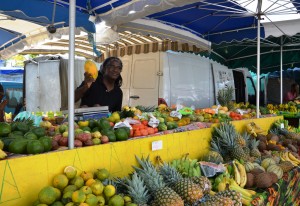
{"points": [[144, 79], [126, 75]]}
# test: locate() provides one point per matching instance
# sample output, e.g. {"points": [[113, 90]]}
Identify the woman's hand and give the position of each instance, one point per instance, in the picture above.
{"points": [[88, 79]]}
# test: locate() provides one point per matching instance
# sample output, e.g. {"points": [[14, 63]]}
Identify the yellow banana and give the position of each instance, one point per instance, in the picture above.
{"points": [[242, 172], [252, 192], [237, 176], [286, 157], [250, 130], [292, 157]]}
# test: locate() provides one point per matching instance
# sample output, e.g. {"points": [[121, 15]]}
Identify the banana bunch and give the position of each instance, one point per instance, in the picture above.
{"points": [[281, 123], [224, 182], [288, 156], [187, 167], [240, 175], [254, 129]]}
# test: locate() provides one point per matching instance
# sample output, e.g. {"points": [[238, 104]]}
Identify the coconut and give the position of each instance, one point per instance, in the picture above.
{"points": [[286, 142], [270, 135], [261, 137], [256, 171], [263, 180], [250, 180], [273, 147], [262, 146], [275, 138], [273, 176]]}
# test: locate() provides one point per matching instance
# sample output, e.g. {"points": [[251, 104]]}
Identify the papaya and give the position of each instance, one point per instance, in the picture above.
{"points": [[121, 134], [104, 124], [91, 68], [95, 129], [5, 129], [30, 136], [85, 129], [111, 136], [12, 135], [13, 126], [18, 146], [93, 124], [22, 126], [105, 131], [35, 147], [7, 142], [39, 131], [47, 143]]}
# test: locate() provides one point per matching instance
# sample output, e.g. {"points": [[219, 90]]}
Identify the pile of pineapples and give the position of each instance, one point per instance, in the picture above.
{"points": [[233, 145], [165, 186]]}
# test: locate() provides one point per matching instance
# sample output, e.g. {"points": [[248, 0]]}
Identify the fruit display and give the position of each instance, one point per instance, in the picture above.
{"points": [[86, 189]]}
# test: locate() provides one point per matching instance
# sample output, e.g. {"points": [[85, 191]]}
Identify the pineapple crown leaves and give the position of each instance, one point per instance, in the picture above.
{"points": [[225, 95], [120, 185], [153, 180], [169, 174], [135, 188], [253, 144]]}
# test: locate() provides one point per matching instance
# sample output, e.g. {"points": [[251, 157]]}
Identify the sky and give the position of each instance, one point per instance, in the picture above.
{"points": [[275, 10]]}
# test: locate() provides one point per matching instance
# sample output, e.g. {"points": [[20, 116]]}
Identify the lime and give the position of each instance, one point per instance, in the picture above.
{"points": [[70, 172]]}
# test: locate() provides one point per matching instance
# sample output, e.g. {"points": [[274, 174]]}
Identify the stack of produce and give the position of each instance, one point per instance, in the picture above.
{"points": [[85, 189], [24, 138]]}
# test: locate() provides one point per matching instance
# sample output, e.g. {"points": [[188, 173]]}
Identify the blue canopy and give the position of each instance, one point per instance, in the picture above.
{"points": [[40, 12], [7, 35], [215, 20]]}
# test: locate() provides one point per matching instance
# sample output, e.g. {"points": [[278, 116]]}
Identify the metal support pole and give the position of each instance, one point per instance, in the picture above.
{"points": [[258, 69], [71, 64], [259, 4], [281, 77]]}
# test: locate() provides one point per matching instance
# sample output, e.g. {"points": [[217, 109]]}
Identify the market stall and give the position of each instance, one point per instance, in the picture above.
{"points": [[24, 176]]}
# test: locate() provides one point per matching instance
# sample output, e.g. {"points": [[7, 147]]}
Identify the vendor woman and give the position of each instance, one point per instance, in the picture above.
{"points": [[105, 90]]}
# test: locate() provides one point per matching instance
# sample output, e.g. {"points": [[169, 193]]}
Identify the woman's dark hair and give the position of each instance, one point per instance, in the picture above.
{"points": [[107, 62]]}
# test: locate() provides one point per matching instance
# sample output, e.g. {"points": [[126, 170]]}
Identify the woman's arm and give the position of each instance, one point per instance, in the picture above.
{"points": [[84, 87]]}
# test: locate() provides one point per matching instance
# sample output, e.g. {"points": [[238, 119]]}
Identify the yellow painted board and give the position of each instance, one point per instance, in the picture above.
{"points": [[22, 178]]}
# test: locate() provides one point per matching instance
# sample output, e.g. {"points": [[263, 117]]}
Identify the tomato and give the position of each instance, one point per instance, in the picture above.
{"points": [[145, 122]]}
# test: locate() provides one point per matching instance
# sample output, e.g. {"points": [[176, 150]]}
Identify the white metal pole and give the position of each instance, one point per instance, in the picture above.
{"points": [[258, 68], [281, 77], [71, 94]]}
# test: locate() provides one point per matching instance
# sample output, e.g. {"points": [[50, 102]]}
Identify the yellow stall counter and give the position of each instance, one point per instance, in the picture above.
{"points": [[23, 177]]}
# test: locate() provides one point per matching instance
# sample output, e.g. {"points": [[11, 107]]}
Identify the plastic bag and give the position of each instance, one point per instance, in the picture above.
{"points": [[122, 124], [210, 169], [153, 122], [176, 114]]}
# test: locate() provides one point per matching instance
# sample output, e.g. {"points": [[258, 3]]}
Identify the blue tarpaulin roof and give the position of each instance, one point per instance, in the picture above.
{"points": [[215, 20]]}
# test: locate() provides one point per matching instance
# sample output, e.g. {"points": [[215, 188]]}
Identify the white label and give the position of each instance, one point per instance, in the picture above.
{"points": [[281, 125], [157, 145]]}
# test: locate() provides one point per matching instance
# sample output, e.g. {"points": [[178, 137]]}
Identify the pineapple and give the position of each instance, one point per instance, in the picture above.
{"points": [[228, 141], [136, 189], [185, 187], [234, 196], [225, 97], [240, 140], [222, 201], [162, 194], [254, 152], [246, 148], [204, 183]]}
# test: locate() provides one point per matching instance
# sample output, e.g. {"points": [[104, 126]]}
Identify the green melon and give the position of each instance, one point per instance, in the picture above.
{"points": [[249, 166], [276, 169], [267, 162], [213, 156]]}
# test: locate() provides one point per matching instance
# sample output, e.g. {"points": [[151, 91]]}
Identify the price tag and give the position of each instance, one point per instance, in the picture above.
{"points": [[282, 126], [157, 145]]}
